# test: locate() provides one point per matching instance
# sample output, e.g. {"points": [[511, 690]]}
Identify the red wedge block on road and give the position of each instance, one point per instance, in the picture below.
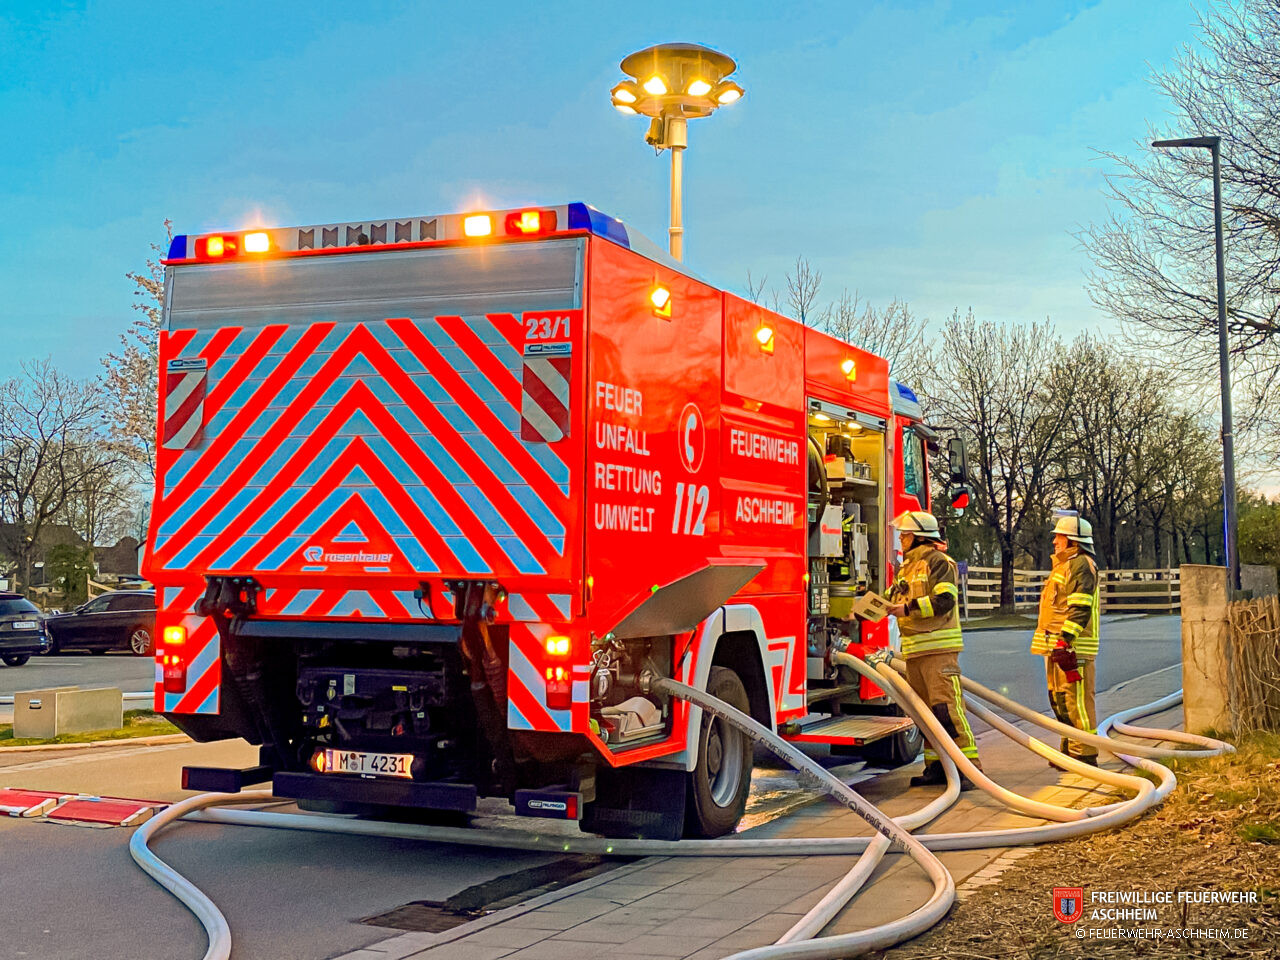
{"points": [[104, 811], [29, 803]]}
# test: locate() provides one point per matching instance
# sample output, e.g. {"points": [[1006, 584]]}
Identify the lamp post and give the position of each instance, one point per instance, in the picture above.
{"points": [[672, 83], [1214, 146]]}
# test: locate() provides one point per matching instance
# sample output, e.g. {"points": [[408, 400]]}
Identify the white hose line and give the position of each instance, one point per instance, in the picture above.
{"points": [[210, 917], [215, 925], [1108, 744], [933, 730]]}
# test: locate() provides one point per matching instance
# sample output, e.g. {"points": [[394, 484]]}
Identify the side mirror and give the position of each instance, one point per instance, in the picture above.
{"points": [[957, 460]]}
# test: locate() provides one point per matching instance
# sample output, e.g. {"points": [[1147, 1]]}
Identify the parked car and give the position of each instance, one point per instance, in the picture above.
{"points": [[22, 631], [124, 619]]}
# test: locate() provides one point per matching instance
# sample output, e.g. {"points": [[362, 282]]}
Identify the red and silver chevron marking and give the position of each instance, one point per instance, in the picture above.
{"points": [[202, 653], [185, 381], [544, 392], [527, 687], [401, 433]]}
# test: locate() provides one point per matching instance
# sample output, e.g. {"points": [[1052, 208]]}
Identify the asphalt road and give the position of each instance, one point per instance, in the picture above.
{"points": [[131, 674], [74, 893]]}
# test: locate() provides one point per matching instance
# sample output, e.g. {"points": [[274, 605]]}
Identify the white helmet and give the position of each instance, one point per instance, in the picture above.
{"points": [[918, 523], [1076, 529]]}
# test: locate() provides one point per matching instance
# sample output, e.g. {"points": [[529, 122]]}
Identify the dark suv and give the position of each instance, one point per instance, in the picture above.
{"points": [[123, 620], [22, 630]]}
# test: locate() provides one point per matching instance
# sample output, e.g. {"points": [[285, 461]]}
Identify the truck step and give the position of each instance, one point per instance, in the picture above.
{"points": [[557, 803], [847, 731], [224, 779]]}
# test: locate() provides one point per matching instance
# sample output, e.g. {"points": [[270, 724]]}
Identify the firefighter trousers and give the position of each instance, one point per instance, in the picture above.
{"points": [[935, 677], [1072, 703]]}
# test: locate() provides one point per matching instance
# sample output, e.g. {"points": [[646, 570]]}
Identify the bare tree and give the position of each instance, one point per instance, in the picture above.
{"points": [[755, 290], [892, 332], [991, 387], [131, 377], [45, 419], [1154, 256], [101, 509], [803, 284]]}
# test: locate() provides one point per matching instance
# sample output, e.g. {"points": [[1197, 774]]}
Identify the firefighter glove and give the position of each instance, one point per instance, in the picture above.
{"points": [[1064, 658]]}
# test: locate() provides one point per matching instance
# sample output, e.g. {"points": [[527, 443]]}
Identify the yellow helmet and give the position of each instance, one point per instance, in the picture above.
{"points": [[918, 523], [1076, 529]]}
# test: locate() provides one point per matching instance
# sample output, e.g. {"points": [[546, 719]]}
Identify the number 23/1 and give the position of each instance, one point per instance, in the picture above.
{"points": [[547, 328], [691, 496]]}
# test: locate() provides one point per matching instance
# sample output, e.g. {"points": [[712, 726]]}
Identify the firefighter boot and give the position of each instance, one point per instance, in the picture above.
{"points": [[1058, 700], [933, 775], [943, 714]]}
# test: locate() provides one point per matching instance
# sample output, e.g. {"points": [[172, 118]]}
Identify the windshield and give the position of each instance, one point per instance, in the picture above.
{"points": [[11, 607]]}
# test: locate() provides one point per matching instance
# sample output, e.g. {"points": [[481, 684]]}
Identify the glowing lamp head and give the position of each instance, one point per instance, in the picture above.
{"points": [[850, 370], [764, 337], [624, 92], [623, 108], [477, 225], [728, 92], [698, 88], [257, 242], [655, 86], [215, 247]]}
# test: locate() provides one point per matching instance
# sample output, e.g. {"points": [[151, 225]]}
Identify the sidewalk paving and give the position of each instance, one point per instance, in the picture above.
{"points": [[706, 908]]}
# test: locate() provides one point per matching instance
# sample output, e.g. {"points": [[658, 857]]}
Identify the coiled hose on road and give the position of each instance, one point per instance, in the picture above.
{"points": [[890, 834]]}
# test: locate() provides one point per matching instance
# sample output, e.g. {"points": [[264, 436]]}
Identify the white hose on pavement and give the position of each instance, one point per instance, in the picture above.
{"points": [[890, 834]]}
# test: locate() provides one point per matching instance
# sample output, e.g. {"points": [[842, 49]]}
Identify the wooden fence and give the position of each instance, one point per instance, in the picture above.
{"points": [[1121, 591]]}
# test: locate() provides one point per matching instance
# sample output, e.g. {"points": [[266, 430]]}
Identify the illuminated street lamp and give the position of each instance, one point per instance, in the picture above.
{"points": [[672, 83], [1214, 146]]}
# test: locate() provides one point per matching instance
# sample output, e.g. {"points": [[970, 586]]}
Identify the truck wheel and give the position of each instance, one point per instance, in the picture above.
{"points": [[17, 659], [719, 784], [896, 751]]}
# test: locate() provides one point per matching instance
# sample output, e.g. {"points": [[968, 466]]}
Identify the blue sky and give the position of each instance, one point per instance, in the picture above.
{"points": [[941, 153]]}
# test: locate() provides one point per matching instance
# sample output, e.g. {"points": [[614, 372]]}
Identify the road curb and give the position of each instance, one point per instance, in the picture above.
{"points": [[120, 742]]}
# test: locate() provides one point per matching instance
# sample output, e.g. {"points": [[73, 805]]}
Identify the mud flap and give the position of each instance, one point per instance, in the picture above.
{"points": [[637, 803]]}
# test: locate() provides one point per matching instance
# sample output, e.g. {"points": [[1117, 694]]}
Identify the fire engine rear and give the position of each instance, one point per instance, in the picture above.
{"points": [[437, 496]]}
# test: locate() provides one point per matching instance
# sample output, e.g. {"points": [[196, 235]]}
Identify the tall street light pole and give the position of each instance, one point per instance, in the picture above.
{"points": [[672, 83], [1214, 146]]}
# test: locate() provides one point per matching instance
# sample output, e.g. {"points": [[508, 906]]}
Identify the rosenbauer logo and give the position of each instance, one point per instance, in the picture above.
{"points": [[1068, 903], [316, 554]]}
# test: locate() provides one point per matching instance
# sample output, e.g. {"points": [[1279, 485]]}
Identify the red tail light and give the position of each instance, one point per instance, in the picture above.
{"points": [[172, 659], [527, 223], [559, 688]]}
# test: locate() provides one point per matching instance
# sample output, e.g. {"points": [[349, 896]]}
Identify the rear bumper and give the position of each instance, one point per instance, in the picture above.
{"points": [[338, 788], [15, 642]]}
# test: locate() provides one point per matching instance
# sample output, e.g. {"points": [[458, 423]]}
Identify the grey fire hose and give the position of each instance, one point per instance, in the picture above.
{"points": [[891, 835]]}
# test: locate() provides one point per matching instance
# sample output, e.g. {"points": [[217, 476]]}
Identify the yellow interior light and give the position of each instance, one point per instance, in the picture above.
{"points": [[655, 86], [660, 297], [822, 418], [557, 646], [477, 225], [764, 336], [698, 88], [175, 636], [257, 242]]}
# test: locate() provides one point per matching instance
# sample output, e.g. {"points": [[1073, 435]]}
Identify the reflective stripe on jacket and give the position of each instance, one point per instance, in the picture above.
{"points": [[1069, 605], [927, 573]]}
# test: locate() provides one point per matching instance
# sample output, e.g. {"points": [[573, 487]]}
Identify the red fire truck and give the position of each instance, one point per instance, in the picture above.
{"points": [[433, 493]]}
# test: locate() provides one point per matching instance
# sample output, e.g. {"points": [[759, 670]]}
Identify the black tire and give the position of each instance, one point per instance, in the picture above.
{"points": [[16, 659], [896, 751], [719, 784], [141, 643]]}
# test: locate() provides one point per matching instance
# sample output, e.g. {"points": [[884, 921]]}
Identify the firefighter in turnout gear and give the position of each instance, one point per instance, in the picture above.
{"points": [[1067, 631], [927, 606]]}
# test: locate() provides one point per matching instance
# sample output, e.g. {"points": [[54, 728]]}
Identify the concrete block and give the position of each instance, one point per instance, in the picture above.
{"points": [[48, 713], [1206, 647]]}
